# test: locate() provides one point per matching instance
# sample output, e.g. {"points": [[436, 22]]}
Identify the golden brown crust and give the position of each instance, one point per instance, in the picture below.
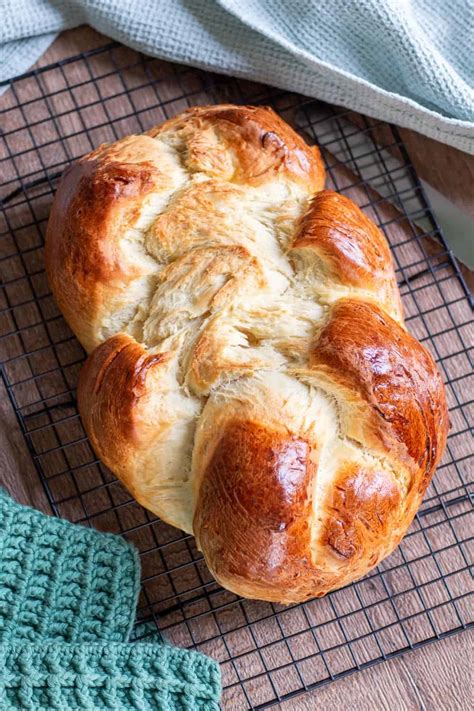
{"points": [[362, 515], [254, 517], [110, 386], [365, 353], [254, 510], [258, 142], [98, 198], [107, 201], [348, 249], [250, 379], [139, 425]]}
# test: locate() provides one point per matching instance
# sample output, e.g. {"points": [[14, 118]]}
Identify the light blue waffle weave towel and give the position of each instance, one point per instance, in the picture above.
{"points": [[405, 61]]}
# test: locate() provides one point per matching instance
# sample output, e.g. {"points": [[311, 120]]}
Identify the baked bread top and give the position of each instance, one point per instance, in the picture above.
{"points": [[250, 378]]}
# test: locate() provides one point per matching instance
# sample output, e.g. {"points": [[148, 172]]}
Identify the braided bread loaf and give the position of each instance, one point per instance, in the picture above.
{"points": [[250, 378]]}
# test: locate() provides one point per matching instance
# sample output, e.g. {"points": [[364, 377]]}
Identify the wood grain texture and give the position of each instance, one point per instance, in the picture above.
{"points": [[17, 473], [434, 677], [446, 169]]}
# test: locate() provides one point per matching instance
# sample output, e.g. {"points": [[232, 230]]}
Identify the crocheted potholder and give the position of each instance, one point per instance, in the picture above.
{"points": [[123, 677], [61, 581], [68, 597]]}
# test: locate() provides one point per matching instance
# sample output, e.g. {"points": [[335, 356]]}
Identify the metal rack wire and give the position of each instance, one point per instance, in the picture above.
{"points": [[268, 652]]}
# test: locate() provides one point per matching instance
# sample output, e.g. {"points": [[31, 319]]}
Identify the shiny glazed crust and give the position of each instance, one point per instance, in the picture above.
{"points": [[250, 379]]}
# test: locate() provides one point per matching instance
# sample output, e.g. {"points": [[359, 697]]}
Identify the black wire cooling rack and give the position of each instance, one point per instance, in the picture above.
{"points": [[267, 652]]}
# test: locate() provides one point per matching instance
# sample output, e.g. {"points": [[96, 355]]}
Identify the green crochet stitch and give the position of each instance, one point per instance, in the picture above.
{"points": [[67, 604], [106, 676], [60, 581]]}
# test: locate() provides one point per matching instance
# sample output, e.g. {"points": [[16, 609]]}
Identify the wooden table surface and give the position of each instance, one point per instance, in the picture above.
{"points": [[438, 676]]}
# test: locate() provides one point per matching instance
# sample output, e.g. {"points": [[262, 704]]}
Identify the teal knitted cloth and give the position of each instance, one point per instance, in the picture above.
{"points": [[63, 582], [405, 62], [115, 676], [67, 604]]}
